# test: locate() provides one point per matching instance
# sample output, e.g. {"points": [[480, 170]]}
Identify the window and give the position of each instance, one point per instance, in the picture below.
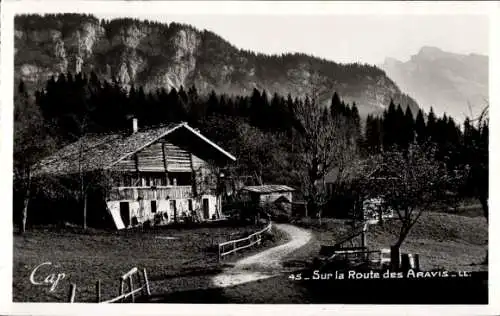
{"points": [[190, 205], [153, 179], [180, 178], [153, 206], [126, 180]]}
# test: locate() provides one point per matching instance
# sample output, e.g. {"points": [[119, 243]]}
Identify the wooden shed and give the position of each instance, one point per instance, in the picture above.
{"points": [[280, 196]]}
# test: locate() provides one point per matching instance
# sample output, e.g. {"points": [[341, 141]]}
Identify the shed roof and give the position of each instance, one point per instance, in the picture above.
{"points": [[268, 188], [101, 151]]}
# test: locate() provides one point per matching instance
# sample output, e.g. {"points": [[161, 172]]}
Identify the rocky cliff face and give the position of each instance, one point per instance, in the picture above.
{"points": [[157, 55], [452, 83]]}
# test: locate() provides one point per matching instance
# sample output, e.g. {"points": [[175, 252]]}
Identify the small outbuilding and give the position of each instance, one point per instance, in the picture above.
{"points": [[280, 196]]}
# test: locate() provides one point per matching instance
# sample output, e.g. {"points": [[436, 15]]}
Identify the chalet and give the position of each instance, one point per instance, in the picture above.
{"points": [[157, 175]]}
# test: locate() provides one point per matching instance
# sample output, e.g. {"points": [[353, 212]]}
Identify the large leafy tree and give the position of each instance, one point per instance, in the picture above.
{"points": [[410, 182]]}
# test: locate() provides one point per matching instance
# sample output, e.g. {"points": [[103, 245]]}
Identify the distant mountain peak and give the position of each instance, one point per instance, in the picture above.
{"points": [[432, 53], [447, 81], [430, 50]]}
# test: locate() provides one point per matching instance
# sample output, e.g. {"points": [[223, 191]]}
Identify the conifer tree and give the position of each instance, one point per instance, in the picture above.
{"points": [[389, 126], [420, 127], [255, 107], [355, 120], [431, 125], [212, 104], [409, 127], [335, 106]]}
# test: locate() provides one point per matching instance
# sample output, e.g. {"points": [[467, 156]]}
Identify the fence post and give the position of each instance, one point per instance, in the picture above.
{"points": [[415, 262], [394, 258], [98, 291], [72, 292], [131, 287], [146, 281], [121, 289], [363, 236], [405, 262]]}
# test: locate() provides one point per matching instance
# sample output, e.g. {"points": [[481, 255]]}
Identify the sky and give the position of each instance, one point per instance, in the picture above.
{"points": [[342, 38]]}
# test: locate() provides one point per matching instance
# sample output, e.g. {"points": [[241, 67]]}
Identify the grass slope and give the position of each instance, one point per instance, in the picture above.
{"points": [[443, 240], [187, 262], [451, 242]]}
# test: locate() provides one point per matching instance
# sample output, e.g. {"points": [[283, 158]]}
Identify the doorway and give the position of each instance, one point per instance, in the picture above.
{"points": [[173, 208], [125, 213], [206, 211]]}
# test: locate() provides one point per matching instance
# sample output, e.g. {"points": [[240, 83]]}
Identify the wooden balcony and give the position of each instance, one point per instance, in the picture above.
{"points": [[151, 193]]}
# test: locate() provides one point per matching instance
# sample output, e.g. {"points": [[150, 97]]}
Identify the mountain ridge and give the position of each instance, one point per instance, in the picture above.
{"points": [[159, 55]]}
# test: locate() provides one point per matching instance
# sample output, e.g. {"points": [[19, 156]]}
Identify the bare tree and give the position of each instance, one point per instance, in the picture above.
{"points": [[256, 152], [325, 143], [84, 178], [31, 142]]}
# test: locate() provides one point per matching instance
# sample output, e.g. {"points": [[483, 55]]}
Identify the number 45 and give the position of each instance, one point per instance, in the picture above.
{"points": [[295, 277]]}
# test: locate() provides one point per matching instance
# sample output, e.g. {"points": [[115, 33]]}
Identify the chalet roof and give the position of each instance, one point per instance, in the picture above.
{"points": [[101, 151], [268, 188]]}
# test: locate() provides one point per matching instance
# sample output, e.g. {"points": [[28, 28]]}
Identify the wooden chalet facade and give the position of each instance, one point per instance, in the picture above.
{"points": [[158, 175]]}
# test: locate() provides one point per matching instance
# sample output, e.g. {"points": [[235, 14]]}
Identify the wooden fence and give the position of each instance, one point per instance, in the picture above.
{"points": [[353, 248], [233, 246], [126, 279]]}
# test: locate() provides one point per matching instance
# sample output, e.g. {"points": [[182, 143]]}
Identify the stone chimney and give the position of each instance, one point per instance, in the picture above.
{"points": [[135, 127]]}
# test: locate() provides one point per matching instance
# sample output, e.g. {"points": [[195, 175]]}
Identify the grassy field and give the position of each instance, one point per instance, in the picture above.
{"points": [[455, 241], [443, 241], [176, 259]]}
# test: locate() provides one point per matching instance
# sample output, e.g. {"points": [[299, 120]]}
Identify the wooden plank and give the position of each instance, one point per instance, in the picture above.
{"points": [[198, 162], [121, 289], [129, 273], [234, 243], [159, 157], [136, 161], [193, 175], [147, 193], [131, 287], [98, 291], [165, 162], [123, 296], [72, 293], [146, 282]]}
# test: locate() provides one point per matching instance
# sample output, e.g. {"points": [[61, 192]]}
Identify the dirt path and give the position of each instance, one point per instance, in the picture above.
{"points": [[265, 264]]}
